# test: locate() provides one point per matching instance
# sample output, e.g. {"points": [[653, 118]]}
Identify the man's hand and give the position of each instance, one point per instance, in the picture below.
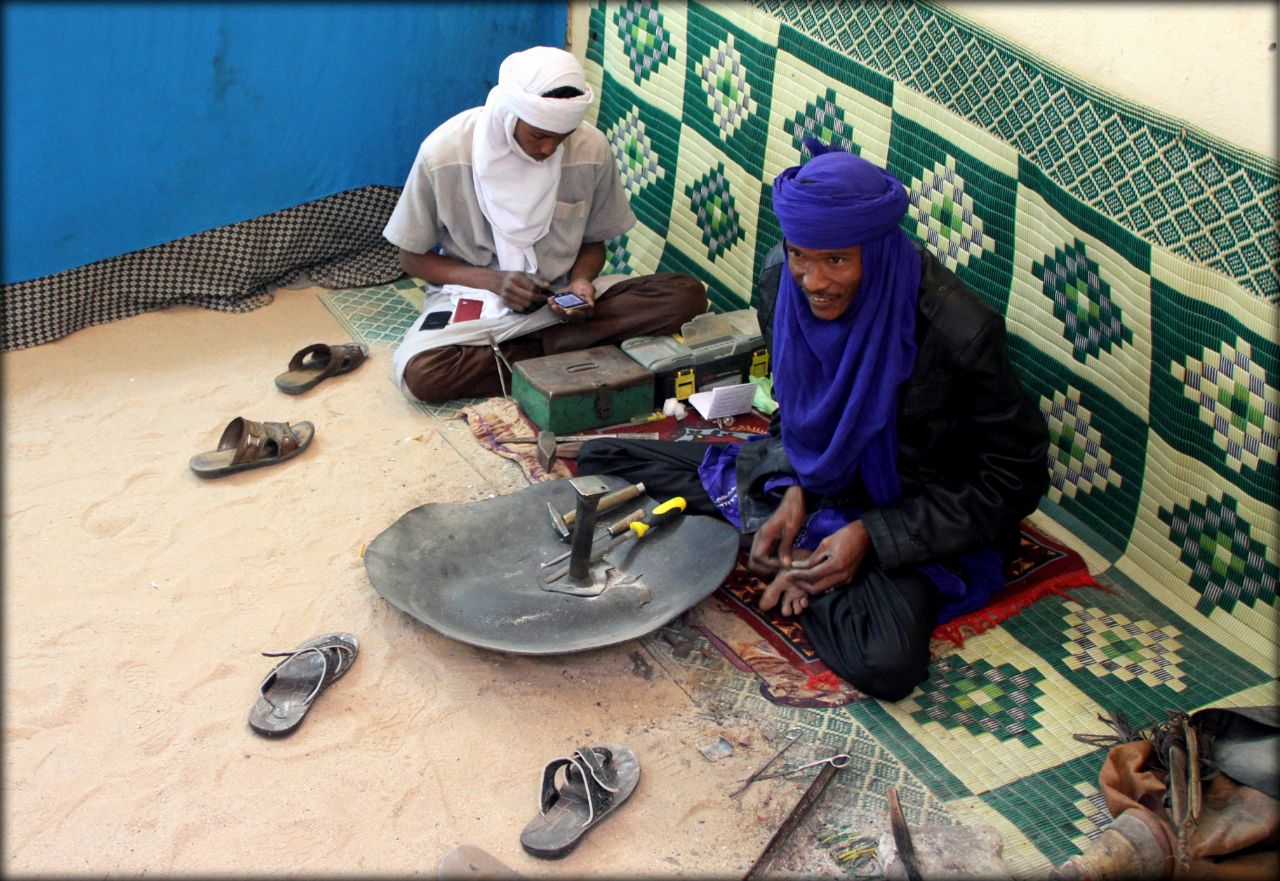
{"points": [[520, 291], [584, 289], [771, 549], [834, 561]]}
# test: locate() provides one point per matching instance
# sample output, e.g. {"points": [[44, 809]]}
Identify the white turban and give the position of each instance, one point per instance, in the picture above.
{"points": [[517, 193]]}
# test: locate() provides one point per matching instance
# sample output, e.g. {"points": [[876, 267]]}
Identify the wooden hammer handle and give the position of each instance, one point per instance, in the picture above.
{"points": [[612, 500]]}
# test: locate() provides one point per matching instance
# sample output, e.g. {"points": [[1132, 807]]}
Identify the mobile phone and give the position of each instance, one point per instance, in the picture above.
{"points": [[436, 320], [568, 301], [467, 310]]}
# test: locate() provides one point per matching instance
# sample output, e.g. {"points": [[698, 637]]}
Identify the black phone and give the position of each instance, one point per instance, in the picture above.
{"points": [[436, 320], [568, 301]]}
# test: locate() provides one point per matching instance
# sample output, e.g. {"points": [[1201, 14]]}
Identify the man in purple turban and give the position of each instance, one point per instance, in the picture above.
{"points": [[887, 497]]}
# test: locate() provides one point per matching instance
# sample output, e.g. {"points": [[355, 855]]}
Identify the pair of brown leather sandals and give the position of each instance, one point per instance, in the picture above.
{"points": [[247, 444]]}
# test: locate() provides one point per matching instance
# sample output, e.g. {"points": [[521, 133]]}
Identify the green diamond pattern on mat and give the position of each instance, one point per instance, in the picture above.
{"points": [[633, 150], [1227, 565], [1235, 401], [617, 259], [981, 698], [377, 315], [646, 42], [1078, 463], [944, 216], [1109, 644], [1091, 321], [823, 119], [712, 202], [1095, 816], [1201, 198], [724, 77], [1055, 808]]}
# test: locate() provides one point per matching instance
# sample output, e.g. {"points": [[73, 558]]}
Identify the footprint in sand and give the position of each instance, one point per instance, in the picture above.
{"points": [[396, 704], [29, 445], [151, 709], [110, 516]]}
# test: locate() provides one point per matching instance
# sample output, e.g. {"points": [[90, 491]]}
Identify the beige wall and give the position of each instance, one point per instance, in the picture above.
{"points": [[1211, 63]]}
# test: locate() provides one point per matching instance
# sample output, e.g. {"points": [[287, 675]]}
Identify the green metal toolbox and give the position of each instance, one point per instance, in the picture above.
{"points": [[711, 350], [574, 391]]}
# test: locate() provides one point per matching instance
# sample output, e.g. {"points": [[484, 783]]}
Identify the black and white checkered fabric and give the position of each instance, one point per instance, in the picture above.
{"points": [[335, 241]]}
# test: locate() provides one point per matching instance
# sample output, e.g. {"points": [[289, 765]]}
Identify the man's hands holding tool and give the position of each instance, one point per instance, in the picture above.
{"points": [[523, 293], [797, 574]]}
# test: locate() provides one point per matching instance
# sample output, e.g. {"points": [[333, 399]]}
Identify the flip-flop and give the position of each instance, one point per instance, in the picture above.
{"points": [[469, 861], [316, 363], [595, 781], [294, 683], [247, 444]]}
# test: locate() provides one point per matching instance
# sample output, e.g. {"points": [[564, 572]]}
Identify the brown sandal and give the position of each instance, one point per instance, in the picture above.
{"points": [[317, 362], [246, 444]]}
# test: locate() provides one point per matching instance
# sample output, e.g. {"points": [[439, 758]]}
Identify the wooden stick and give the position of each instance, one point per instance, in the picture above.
{"points": [[902, 837]]}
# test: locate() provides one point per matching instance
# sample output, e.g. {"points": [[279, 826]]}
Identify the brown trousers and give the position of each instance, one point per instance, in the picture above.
{"points": [[649, 305]]}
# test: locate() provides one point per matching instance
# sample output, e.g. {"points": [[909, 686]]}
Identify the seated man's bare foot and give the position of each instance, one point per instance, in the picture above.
{"points": [[794, 599]]}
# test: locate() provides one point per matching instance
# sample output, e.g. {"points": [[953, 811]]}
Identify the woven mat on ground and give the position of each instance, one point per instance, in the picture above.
{"points": [[771, 646]]}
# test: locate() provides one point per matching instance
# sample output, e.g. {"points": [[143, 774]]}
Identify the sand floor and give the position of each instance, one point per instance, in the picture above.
{"points": [[137, 598]]}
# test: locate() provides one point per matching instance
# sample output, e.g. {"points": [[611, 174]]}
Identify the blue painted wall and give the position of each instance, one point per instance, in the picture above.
{"points": [[128, 125]]}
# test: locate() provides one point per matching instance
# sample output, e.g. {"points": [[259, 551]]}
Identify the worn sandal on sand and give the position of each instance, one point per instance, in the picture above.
{"points": [[316, 363], [294, 683], [246, 444], [596, 780]]}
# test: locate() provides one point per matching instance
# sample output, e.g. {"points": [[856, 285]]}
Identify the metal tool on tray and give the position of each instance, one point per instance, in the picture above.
{"points": [[793, 735], [562, 522], [639, 529], [612, 530]]}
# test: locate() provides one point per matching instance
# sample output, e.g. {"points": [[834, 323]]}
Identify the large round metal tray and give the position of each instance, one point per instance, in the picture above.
{"points": [[471, 572]]}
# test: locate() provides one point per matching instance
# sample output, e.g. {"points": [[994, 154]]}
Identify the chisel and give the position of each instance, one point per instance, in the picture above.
{"points": [[664, 513]]}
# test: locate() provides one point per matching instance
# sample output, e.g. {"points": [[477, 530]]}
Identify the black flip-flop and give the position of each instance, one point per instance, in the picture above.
{"points": [[294, 683], [595, 782], [316, 363]]}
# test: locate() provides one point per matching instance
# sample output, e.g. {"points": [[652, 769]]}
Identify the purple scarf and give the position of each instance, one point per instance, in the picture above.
{"points": [[837, 381]]}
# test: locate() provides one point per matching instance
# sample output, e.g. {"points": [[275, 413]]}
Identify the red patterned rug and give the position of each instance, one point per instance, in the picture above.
{"points": [[776, 649], [771, 646]]}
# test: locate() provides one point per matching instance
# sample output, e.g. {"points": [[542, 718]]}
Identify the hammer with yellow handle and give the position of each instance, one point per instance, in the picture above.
{"points": [[661, 514]]}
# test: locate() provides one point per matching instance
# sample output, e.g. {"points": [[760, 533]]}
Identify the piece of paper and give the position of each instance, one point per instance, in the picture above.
{"points": [[725, 400]]}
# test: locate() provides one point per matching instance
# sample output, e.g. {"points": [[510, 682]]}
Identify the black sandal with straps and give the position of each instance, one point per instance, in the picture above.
{"points": [[595, 781], [296, 681]]}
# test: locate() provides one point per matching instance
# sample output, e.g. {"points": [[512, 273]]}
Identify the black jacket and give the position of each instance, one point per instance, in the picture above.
{"points": [[971, 446]]}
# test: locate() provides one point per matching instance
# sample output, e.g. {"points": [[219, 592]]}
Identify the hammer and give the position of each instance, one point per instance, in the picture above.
{"points": [[547, 441], [562, 522]]}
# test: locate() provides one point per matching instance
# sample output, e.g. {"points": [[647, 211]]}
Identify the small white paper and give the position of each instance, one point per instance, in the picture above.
{"points": [[725, 400]]}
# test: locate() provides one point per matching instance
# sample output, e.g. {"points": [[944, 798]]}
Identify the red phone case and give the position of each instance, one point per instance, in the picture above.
{"points": [[467, 310]]}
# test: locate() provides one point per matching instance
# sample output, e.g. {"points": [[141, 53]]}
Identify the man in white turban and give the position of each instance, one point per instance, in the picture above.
{"points": [[506, 205]]}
